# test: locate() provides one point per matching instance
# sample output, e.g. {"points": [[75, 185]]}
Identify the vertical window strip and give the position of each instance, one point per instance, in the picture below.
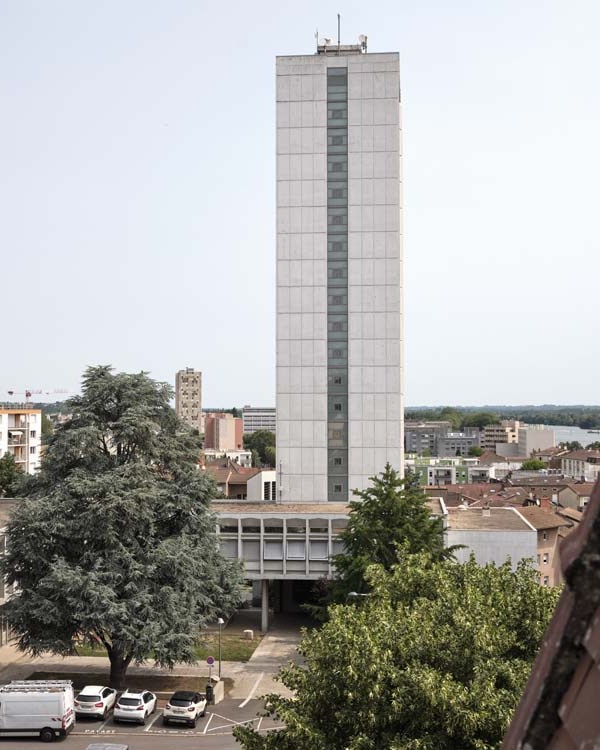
{"points": [[337, 285]]}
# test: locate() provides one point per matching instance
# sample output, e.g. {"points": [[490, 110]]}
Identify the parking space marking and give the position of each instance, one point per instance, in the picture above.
{"points": [[251, 693], [259, 723], [207, 723], [149, 727], [232, 723], [104, 723]]}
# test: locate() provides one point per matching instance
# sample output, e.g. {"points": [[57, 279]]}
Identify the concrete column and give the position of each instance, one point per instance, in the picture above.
{"points": [[264, 609]]}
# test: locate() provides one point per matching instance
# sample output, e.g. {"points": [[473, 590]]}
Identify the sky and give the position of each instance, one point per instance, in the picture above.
{"points": [[137, 192]]}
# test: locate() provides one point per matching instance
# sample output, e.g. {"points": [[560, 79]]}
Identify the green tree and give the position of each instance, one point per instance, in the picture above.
{"points": [[571, 445], [260, 441], [47, 426], [480, 419], [475, 450], [116, 542], [533, 464], [390, 512], [435, 659], [10, 475], [595, 446]]}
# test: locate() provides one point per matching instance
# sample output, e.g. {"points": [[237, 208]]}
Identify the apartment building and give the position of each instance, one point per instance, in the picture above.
{"points": [[259, 418], [21, 435], [223, 432], [188, 397]]}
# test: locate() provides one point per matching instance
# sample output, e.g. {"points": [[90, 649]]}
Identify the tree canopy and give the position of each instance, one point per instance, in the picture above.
{"points": [[116, 542], [10, 475], [390, 512], [261, 442], [434, 659], [533, 464]]}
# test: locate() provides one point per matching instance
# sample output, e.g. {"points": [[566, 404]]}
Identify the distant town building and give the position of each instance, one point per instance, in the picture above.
{"points": [[548, 524], [422, 437], [494, 434], [240, 457], [581, 465], [259, 418], [458, 443], [188, 397], [223, 432], [21, 435], [263, 487]]}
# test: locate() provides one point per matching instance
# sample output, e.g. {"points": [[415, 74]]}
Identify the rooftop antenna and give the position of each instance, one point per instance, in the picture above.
{"points": [[339, 39], [317, 38]]}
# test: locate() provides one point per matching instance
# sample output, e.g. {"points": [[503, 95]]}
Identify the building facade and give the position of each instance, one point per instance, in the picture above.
{"points": [[21, 435], [188, 397], [339, 272], [259, 418], [223, 432]]}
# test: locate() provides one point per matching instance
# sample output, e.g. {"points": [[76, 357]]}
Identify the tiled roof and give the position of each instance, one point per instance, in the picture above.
{"points": [[582, 489], [581, 455], [559, 708], [571, 514], [494, 519], [543, 519]]}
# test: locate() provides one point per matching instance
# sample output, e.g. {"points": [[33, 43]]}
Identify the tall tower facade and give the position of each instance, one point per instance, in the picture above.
{"points": [[339, 272], [188, 397]]}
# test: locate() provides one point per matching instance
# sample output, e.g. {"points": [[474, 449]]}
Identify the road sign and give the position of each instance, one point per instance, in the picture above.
{"points": [[210, 661]]}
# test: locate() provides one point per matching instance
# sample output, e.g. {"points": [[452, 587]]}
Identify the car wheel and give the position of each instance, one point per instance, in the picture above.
{"points": [[104, 714], [203, 713], [165, 721], [193, 723], [47, 735]]}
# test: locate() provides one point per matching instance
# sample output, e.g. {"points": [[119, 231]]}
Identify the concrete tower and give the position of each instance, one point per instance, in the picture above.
{"points": [[339, 271]]}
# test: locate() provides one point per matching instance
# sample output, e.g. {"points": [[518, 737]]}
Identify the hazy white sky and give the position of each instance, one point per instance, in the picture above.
{"points": [[137, 217]]}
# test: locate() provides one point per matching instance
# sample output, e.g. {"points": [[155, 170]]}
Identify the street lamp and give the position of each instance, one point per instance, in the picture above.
{"points": [[220, 623]]}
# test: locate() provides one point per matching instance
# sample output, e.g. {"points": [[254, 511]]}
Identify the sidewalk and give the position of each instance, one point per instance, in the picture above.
{"points": [[256, 676]]}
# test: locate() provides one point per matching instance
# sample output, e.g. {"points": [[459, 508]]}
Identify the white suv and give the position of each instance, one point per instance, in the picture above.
{"points": [[95, 700], [135, 705], [185, 706]]}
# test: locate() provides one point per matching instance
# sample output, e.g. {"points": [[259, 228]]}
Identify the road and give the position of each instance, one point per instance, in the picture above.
{"points": [[211, 732]]}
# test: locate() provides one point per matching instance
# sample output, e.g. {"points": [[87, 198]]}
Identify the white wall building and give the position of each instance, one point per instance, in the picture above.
{"points": [[259, 418], [21, 435], [262, 487], [339, 272]]}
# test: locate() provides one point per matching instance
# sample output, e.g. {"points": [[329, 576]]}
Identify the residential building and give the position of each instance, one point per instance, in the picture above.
{"points": [[231, 478], [422, 437], [223, 432], [548, 525], [21, 435], [505, 432], [259, 418], [339, 272], [575, 495], [581, 465], [263, 487], [241, 457], [493, 535], [188, 397], [458, 443]]}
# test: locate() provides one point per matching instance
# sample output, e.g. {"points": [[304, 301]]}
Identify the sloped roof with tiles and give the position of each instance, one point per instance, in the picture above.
{"points": [[559, 708]]}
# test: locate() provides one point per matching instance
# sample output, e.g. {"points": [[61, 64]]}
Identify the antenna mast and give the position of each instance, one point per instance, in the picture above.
{"points": [[339, 38]]}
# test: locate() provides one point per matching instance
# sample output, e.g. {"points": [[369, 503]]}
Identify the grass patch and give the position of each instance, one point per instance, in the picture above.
{"points": [[233, 648], [157, 683]]}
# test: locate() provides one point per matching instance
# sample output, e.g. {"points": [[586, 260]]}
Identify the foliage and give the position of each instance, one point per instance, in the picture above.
{"points": [[586, 417], [571, 445], [116, 542], [260, 441], [595, 446], [533, 464], [475, 450], [10, 475], [435, 659], [47, 426], [390, 512]]}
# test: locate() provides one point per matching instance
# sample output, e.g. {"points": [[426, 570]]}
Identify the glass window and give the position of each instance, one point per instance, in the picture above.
{"points": [[337, 461], [319, 550], [273, 551], [337, 407], [337, 488], [296, 550]]}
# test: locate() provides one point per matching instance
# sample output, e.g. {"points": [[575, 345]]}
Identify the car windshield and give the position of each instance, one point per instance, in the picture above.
{"points": [[88, 698], [130, 701], [180, 701]]}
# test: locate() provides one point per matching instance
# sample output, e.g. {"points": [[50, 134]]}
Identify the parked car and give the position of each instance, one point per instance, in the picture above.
{"points": [[43, 708], [95, 700], [185, 706], [135, 705]]}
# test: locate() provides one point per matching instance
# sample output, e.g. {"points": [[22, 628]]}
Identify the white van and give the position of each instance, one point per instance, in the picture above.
{"points": [[43, 708]]}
